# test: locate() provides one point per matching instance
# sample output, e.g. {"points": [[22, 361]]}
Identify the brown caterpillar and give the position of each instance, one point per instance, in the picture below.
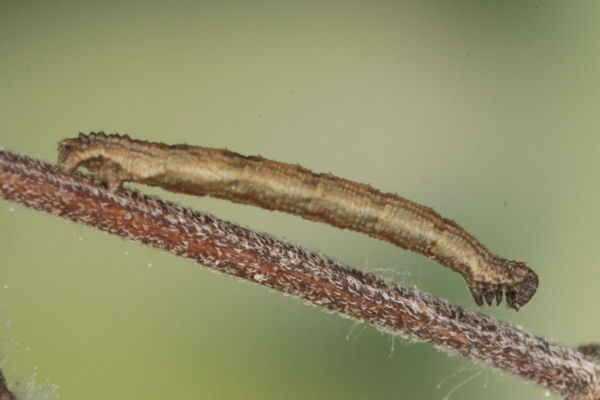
{"points": [[320, 197]]}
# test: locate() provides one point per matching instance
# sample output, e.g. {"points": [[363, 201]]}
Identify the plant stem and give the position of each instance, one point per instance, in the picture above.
{"points": [[312, 277]]}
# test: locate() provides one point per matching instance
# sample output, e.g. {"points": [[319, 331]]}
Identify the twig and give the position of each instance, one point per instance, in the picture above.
{"points": [[313, 277], [5, 394]]}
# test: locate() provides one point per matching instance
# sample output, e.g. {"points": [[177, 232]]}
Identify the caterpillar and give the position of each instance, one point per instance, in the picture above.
{"points": [[296, 190]]}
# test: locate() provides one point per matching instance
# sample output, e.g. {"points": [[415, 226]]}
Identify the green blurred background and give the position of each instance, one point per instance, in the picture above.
{"points": [[487, 111]]}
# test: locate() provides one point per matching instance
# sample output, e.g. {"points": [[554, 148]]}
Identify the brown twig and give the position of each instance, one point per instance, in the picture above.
{"points": [[313, 277], [5, 394]]}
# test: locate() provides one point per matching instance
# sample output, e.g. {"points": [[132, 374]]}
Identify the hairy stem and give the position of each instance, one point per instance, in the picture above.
{"points": [[307, 275], [5, 394]]}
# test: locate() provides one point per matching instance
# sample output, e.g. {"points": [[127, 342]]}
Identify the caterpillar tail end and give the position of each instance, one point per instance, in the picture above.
{"points": [[84, 152]]}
